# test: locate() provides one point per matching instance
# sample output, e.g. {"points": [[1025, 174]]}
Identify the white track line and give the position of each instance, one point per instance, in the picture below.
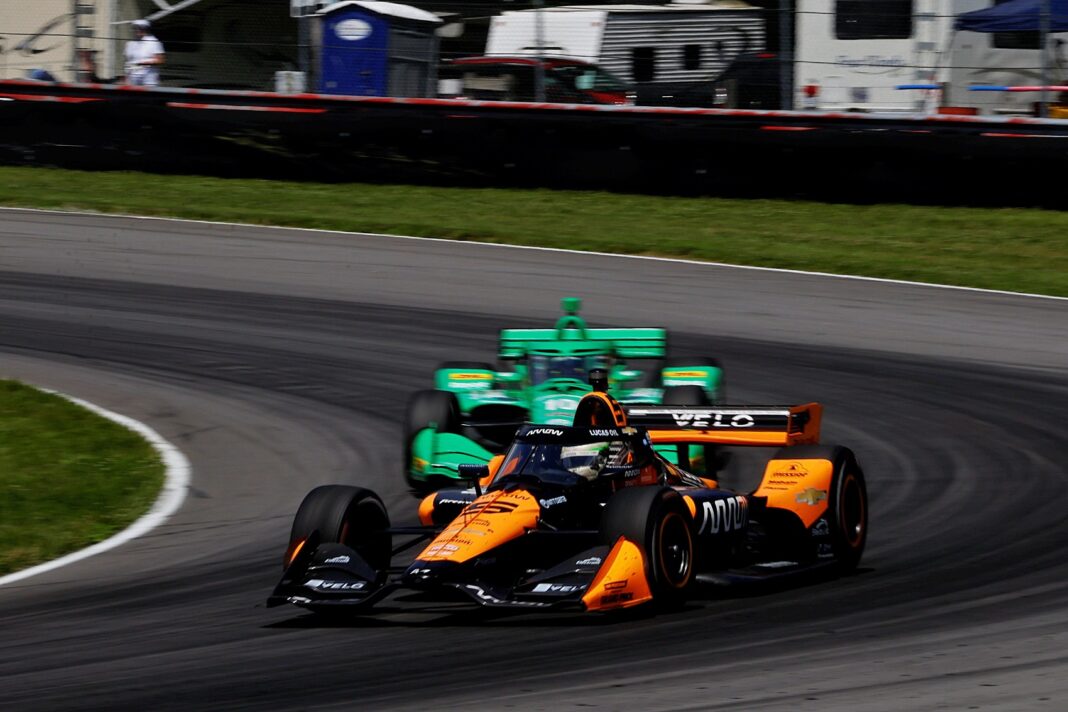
{"points": [[175, 484], [677, 260]]}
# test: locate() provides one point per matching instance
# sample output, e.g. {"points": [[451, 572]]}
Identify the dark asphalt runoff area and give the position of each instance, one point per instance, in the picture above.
{"points": [[277, 360]]}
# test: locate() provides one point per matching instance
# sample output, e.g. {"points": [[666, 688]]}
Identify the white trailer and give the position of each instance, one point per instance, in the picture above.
{"points": [[669, 53], [208, 43], [851, 55]]}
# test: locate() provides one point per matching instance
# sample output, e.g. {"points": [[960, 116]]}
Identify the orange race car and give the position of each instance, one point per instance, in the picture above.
{"points": [[600, 515]]}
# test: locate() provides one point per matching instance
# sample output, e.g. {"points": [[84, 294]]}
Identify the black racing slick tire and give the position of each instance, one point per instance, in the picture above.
{"points": [[469, 365], [704, 362], [715, 457], [847, 501], [685, 395], [428, 408], [657, 519], [341, 514]]}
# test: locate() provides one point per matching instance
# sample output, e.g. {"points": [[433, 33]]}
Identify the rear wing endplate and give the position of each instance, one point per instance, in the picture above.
{"points": [[730, 425]]}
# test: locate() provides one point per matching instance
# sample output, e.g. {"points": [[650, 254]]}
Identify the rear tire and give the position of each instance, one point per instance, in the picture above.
{"points": [[470, 365], [657, 520], [715, 458], [685, 395], [352, 516], [429, 408], [706, 362], [848, 511], [847, 500]]}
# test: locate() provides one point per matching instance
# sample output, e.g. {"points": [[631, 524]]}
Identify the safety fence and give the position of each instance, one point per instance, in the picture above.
{"points": [[857, 157]]}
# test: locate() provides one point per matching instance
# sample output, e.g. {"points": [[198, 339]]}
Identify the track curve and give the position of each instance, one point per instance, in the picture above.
{"points": [[278, 360]]}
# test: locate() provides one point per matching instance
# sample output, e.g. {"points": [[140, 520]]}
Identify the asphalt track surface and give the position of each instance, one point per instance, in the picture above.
{"points": [[279, 360]]}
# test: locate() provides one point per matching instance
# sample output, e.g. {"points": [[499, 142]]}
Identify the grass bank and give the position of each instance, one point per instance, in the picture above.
{"points": [[1008, 248], [69, 478]]}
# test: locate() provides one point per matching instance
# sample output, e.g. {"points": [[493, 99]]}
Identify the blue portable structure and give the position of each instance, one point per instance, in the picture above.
{"points": [[376, 48], [1017, 16]]}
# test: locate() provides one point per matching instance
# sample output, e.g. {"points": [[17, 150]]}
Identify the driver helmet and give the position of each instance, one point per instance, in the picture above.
{"points": [[587, 460]]}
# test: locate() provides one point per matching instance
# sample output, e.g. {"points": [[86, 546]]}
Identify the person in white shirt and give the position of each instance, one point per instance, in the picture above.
{"points": [[144, 56]]}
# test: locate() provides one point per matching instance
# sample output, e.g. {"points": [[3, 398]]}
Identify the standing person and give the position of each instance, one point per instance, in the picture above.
{"points": [[144, 55]]}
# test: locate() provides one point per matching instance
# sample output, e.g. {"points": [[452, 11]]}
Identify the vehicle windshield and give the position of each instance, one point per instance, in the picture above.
{"points": [[555, 461], [590, 79], [544, 368]]}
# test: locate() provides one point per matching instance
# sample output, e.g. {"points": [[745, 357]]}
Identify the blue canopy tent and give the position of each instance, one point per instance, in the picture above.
{"points": [[1017, 16], [1043, 16]]}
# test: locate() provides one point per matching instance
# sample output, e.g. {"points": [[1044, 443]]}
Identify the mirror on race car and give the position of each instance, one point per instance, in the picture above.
{"points": [[473, 473]]}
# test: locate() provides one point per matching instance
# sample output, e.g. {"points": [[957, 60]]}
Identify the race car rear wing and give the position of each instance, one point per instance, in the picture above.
{"points": [[730, 424], [571, 329]]}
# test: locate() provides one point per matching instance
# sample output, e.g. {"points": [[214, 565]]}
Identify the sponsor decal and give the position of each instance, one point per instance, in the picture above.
{"points": [[616, 598], [337, 560], [491, 508], [811, 496], [685, 374], [613, 585], [776, 564], [353, 30], [440, 549], [705, 419], [825, 551], [560, 588], [546, 503], [724, 515], [545, 431], [454, 501], [470, 377], [592, 561], [604, 433], [786, 476], [321, 585], [490, 598], [791, 470], [871, 60], [821, 528]]}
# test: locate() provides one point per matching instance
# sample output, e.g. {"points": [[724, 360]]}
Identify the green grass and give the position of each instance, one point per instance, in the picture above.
{"points": [[68, 478], [1012, 248]]}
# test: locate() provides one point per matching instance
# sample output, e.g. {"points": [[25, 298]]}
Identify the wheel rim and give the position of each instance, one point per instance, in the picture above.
{"points": [[851, 511], [676, 550]]}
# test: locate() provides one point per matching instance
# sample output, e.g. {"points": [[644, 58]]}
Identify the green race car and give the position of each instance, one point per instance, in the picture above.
{"points": [[475, 409]]}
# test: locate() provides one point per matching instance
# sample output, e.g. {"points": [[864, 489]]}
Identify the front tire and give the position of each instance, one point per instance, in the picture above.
{"points": [[430, 408], [352, 516], [657, 520]]}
